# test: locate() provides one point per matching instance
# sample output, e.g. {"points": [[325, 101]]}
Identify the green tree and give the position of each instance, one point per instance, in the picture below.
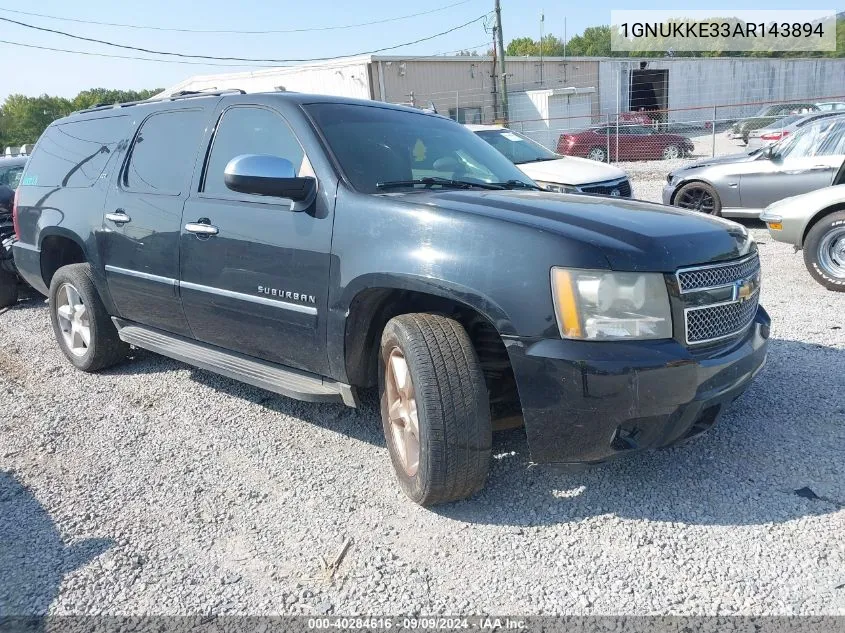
{"points": [[23, 119]]}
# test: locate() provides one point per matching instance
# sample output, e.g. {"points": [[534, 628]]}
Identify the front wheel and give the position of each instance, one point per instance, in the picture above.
{"points": [[699, 196], [598, 154], [435, 408], [672, 152], [83, 328], [824, 251]]}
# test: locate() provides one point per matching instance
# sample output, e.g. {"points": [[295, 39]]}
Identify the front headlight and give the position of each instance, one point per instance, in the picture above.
{"points": [[558, 187], [605, 305]]}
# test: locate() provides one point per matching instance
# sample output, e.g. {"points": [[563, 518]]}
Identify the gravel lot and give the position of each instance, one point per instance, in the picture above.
{"points": [[155, 488]]}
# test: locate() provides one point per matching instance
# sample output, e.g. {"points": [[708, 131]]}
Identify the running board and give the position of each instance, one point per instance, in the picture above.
{"points": [[276, 378]]}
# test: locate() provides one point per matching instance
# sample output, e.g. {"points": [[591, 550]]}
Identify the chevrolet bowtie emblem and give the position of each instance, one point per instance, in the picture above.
{"points": [[744, 288]]}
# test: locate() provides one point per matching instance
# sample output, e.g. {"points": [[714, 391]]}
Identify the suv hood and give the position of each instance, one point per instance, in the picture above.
{"points": [[632, 235], [571, 171]]}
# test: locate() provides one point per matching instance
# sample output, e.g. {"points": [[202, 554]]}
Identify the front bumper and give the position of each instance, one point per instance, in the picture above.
{"points": [[791, 228], [668, 190], [587, 402]]}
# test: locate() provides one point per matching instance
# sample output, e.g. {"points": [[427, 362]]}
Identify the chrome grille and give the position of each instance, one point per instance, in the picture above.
{"points": [[718, 274], [720, 300], [715, 322]]}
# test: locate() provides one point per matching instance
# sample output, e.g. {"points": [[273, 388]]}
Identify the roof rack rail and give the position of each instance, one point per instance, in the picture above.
{"points": [[182, 94]]}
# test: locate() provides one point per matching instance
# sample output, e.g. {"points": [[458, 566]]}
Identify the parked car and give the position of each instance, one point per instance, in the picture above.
{"points": [[831, 106], [636, 118], [633, 142], [744, 184], [767, 115], [316, 245], [552, 171], [10, 174], [814, 222], [782, 128]]}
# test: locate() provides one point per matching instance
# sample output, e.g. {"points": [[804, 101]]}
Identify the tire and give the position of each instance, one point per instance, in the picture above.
{"points": [[598, 154], [449, 396], [8, 289], [103, 347], [824, 251], [694, 196], [672, 152]]}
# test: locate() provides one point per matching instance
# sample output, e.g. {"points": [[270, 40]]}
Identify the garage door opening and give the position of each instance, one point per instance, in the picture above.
{"points": [[648, 92]]}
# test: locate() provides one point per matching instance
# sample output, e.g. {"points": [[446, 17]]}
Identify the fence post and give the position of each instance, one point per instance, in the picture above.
{"points": [[617, 139], [458, 106], [713, 135], [607, 136]]}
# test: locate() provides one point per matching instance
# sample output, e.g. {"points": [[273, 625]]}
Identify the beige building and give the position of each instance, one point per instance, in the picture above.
{"points": [[464, 88]]}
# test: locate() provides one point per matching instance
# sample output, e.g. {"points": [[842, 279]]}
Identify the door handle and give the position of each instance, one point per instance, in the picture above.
{"points": [[118, 217], [202, 228]]}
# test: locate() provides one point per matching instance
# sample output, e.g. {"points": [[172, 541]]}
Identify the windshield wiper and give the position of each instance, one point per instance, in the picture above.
{"points": [[517, 184], [541, 159], [442, 182]]}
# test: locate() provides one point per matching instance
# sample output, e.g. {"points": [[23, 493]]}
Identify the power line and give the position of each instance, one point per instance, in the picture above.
{"points": [[236, 59], [232, 31], [133, 57]]}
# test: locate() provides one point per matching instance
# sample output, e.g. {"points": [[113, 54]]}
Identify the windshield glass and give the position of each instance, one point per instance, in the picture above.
{"points": [[822, 138], [376, 145], [515, 147]]}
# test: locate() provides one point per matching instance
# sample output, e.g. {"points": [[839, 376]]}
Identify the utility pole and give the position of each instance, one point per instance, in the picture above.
{"points": [[503, 79], [542, 34]]}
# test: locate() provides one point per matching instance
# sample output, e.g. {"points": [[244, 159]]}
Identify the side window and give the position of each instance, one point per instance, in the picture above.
{"points": [[250, 130], [163, 155], [11, 177], [74, 154]]}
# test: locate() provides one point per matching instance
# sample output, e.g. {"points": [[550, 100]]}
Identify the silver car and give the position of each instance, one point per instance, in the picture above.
{"points": [[779, 130], [744, 184], [814, 222]]}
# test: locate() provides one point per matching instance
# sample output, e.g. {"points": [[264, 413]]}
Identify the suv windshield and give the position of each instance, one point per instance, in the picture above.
{"points": [[515, 147], [378, 146]]}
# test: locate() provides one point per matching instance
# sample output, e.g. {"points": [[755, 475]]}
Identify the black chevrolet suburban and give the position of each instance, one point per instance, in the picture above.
{"points": [[314, 246]]}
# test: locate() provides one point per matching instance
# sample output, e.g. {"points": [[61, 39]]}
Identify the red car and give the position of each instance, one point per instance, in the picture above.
{"points": [[634, 142]]}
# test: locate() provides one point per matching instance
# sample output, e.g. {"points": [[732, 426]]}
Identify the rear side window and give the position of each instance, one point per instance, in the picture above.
{"points": [[74, 154], [250, 130], [162, 156], [11, 176]]}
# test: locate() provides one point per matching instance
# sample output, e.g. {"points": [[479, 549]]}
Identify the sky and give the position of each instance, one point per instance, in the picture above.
{"points": [[35, 72]]}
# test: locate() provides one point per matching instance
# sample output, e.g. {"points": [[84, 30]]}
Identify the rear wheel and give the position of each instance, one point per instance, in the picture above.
{"points": [[83, 328], [824, 251], [598, 154], [699, 196], [435, 408]]}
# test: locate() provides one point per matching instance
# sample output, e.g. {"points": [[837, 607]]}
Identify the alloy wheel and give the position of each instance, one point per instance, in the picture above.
{"points": [[597, 154], [671, 152], [73, 319], [698, 200], [402, 412]]}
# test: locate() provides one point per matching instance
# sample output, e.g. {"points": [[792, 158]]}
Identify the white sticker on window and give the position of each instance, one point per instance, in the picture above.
{"points": [[511, 136]]}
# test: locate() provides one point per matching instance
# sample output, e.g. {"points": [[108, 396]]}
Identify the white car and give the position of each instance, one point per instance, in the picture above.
{"points": [[814, 222], [831, 106], [553, 171]]}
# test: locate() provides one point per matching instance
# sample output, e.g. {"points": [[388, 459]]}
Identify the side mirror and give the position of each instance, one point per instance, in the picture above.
{"points": [[769, 152], [265, 175]]}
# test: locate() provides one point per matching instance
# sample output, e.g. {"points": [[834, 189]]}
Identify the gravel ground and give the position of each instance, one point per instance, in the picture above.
{"points": [[155, 488]]}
